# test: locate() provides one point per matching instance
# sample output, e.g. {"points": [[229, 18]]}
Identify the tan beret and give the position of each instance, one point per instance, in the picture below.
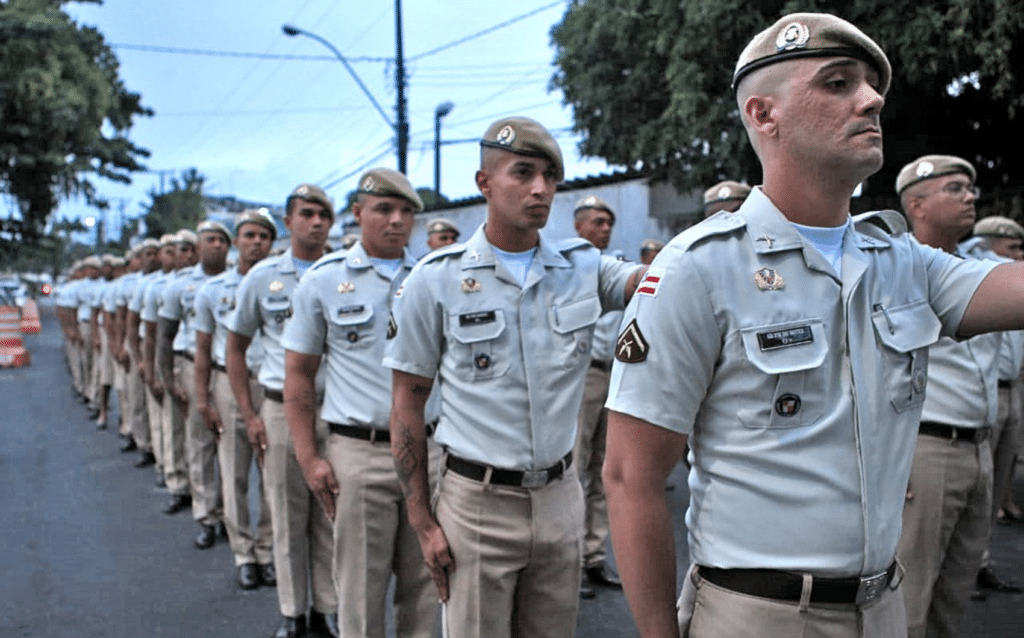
{"points": [[524, 136], [442, 225], [259, 216], [386, 182], [349, 240], [168, 240], [802, 35], [595, 202], [92, 261], [930, 167], [310, 193], [185, 236], [726, 191], [149, 242], [651, 244], [997, 226], [108, 259], [211, 226]]}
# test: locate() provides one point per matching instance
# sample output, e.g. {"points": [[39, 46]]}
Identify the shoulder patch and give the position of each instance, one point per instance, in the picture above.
{"points": [[631, 347], [651, 282], [890, 221]]}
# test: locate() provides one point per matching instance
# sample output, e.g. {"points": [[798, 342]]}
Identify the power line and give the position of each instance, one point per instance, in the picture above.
{"points": [[478, 34], [244, 54]]}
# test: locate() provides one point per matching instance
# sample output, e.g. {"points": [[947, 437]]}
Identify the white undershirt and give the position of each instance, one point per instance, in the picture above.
{"points": [[387, 266], [828, 241], [518, 264]]}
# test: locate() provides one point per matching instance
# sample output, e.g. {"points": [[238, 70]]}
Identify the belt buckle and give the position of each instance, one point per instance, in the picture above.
{"points": [[532, 479], [871, 587]]}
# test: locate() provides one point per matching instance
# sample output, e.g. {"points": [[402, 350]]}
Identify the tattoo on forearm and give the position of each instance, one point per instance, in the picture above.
{"points": [[305, 402], [409, 460]]}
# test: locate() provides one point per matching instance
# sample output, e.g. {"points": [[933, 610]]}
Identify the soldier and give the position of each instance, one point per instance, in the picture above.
{"points": [[727, 196], [340, 310], [593, 219], [303, 550], [1002, 235], [255, 232], [649, 249], [113, 267], [176, 359], [778, 341], [505, 321], [66, 303], [87, 290], [440, 233]]}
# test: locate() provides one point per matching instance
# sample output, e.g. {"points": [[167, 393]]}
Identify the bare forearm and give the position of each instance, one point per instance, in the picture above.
{"points": [[998, 303], [132, 334], [409, 444], [165, 352], [300, 411], [238, 373], [202, 367]]}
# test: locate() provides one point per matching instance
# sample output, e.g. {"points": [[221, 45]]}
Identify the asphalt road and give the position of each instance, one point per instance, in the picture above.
{"points": [[85, 551]]}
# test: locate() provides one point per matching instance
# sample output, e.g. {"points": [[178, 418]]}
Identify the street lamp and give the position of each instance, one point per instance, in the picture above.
{"points": [[444, 108], [401, 128]]}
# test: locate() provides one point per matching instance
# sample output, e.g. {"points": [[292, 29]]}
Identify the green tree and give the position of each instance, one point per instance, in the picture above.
{"points": [[64, 112], [649, 83], [180, 207]]}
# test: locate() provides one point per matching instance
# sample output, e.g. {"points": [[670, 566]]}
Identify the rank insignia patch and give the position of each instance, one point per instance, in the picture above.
{"points": [[392, 327], [651, 281], [631, 346], [348, 286], [768, 279], [276, 286], [470, 285]]}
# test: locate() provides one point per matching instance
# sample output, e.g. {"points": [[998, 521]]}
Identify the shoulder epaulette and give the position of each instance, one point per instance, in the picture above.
{"points": [[444, 251], [338, 255], [890, 221], [721, 223], [571, 244]]}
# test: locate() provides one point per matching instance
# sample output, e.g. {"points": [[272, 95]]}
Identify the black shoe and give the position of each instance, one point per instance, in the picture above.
{"points": [[147, 460], [206, 537], [268, 575], [222, 531], [248, 576], [601, 574], [101, 425], [987, 580], [177, 503], [325, 625], [291, 627], [94, 413], [130, 446], [160, 482], [586, 591]]}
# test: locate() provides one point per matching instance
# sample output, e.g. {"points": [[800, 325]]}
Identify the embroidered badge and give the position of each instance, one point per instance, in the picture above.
{"points": [[470, 285], [506, 136], [392, 327], [276, 286], [651, 281], [369, 184], [347, 286], [768, 279], [724, 192], [794, 36], [924, 168], [787, 405], [589, 201], [631, 346]]}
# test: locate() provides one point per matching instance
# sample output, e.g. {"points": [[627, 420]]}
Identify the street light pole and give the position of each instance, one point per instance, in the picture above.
{"points": [[444, 108]]}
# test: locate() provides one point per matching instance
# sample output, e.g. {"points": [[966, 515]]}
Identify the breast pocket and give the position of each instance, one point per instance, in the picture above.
{"points": [[479, 345], [792, 354], [276, 311], [351, 327], [905, 333], [573, 327]]}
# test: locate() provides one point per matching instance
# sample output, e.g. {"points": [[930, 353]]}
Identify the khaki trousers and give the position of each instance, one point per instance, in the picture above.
{"points": [[518, 555], [155, 416], [236, 458], [945, 530], [373, 540], [105, 361], [135, 415], [200, 452], [721, 613], [1006, 441], [303, 547], [589, 456], [172, 415], [85, 359]]}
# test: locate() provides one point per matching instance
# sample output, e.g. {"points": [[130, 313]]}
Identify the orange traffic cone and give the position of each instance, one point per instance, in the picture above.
{"points": [[30, 321], [12, 349]]}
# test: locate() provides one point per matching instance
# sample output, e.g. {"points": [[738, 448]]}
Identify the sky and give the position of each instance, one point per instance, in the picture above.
{"points": [[258, 112]]}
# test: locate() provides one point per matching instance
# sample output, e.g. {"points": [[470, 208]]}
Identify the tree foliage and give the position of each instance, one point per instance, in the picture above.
{"points": [[64, 112], [649, 83], [180, 207]]}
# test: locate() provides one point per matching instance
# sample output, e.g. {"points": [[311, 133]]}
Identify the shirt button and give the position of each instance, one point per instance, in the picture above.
{"points": [[482, 361], [352, 336]]}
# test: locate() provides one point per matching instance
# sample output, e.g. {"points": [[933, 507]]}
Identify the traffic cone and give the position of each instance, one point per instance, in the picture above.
{"points": [[30, 321], [12, 349]]}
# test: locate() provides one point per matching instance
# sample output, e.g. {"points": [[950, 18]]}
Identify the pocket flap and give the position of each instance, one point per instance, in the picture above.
{"points": [[906, 328], [786, 347], [572, 316]]}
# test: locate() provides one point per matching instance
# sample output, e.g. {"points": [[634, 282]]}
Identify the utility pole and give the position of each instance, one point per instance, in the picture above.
{"points": [[402, 125]]}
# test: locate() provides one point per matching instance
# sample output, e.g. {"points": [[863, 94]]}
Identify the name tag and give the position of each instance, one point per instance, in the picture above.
{"points": [[477, 318], [345, 311], [785, 338]]}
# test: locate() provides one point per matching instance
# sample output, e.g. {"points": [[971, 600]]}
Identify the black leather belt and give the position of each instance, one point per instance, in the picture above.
{"points": [[953, 433], [1003, 383], [218, 367], [274, 395], [373, 435], [515, 478], [603, 366], [781, 585], [185, 353]]}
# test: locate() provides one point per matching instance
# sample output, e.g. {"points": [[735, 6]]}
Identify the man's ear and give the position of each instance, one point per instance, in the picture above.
{"points": [[760, 113], [483, 183]]}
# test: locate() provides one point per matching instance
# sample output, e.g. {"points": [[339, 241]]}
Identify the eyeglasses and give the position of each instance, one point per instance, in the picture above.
{"points": [[959, 189]]}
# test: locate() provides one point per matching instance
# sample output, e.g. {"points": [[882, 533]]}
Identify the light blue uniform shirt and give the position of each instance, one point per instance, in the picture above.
{"points": [[179, 305], [153, 297], [510, 359], [214, 304], [342, 309], [801, 391], [264, 305], [85, 294]]}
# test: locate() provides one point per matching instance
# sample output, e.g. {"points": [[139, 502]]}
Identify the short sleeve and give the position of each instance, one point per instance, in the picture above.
{"points": [[171, 306], [306, 331], [952, 282], [418, 323], [245, 320], [205, 319]]}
